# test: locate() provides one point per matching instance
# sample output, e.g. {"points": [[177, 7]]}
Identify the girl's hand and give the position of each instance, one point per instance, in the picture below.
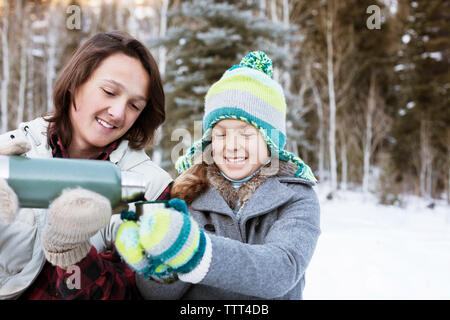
{"points": [[164, 241]]}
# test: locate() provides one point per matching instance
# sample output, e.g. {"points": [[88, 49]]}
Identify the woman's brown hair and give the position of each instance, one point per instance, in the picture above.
{"points": [[81, 66]]}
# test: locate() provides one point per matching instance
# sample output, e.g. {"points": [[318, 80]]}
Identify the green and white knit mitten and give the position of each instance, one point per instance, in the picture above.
{"points": [[166, 241]]}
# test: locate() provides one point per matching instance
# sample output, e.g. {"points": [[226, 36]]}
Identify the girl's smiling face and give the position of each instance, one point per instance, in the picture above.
{"points": [[108, 104], [238, 148]]}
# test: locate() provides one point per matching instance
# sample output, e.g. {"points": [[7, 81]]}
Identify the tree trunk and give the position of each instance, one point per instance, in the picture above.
{"points": [[162, 32], [262, 8], [448, 169], [367, 147], [429, 179], [52, 38], [274, 18], [157, 154], [332, 101], [30, 87], [286, 75], [23, 73], [320, 116], [448, 186], [425, 160], [344, 162], [6, 74], [273, 10], [132, 25], [120, 21]]}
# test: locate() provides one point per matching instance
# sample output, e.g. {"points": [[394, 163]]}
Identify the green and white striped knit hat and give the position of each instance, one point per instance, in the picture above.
{"points": [[247, 92]]}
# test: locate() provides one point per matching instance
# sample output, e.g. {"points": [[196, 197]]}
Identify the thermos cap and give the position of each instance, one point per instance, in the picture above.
{"points": [[133, 186]]}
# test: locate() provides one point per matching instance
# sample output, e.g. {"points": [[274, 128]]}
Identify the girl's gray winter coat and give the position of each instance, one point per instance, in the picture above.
{"points": [[261, 252]]}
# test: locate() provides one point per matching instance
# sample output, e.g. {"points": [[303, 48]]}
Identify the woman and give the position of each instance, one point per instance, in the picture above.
{"points": [[108, 104]]}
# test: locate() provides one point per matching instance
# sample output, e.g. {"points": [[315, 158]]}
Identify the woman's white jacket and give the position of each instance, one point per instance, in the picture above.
{"points": [[21, 255]]}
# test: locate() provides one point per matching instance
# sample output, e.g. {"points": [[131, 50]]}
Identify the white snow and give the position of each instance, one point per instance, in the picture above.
{"points": [[392, 5], [433, 55], [406, 38], [410, 105], [371, 251], [143, 12], [399, 67]]}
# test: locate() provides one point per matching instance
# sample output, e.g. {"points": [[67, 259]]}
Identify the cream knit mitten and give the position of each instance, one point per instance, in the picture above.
{"points": [[8, 198], [15, 147], [8, 202], [73, 218]]}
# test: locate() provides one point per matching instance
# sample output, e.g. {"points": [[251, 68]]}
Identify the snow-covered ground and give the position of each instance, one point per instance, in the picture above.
{"points": [[371, 251]]}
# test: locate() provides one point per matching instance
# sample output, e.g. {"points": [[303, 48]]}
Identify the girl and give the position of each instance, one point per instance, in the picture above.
{"points": [[252, 221], [108, 104]]}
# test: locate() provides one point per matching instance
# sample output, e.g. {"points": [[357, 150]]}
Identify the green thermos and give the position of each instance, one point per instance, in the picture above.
{"points": [[38, 181]]}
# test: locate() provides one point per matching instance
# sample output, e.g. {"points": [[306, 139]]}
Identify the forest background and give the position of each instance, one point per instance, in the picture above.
{"points": [[367, 82]]}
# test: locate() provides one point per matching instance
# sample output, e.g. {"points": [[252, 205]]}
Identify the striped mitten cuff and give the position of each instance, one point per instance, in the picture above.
{"points": [[166, 241], [172, 238]]}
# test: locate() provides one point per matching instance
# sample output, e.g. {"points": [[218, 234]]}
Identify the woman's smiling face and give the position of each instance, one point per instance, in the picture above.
{"points": [[108, 103], [238, 148]]}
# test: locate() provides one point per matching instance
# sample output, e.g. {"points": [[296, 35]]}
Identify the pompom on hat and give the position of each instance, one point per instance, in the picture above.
{"points": [[247, 92]]}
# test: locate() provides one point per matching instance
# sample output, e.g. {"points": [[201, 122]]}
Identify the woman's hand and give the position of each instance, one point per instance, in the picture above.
{"points": [[73, 218], [9, 203], [15, 147]]}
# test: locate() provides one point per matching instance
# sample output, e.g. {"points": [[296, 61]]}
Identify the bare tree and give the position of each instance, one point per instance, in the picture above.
{"points": [[56, 21], [162, 52], [262, 7], [367, 145], [274, 18], [273, 10], [333, 71], [286, 76], [372, 125], [448, 169], [157, 153], [24, 51], [30, 86], [5, 69], [426, 159], [342, 132], [331, 97], [321, 119]]}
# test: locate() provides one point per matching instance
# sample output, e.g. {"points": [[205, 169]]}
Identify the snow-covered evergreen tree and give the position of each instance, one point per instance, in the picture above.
{"points": [[422, 149], [205, 38]]}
